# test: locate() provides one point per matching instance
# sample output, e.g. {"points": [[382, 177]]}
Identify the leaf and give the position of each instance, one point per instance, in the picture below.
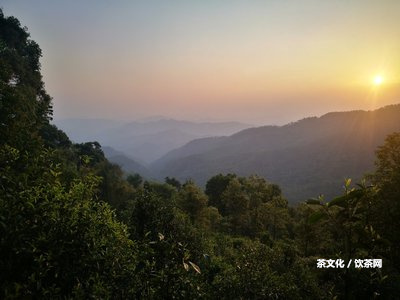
{"points": [[339, 201], [160, 236], [313, 201], [315, 217], [356, 194], [342, 200], [347, 182], [186, 266], [195, 267]]}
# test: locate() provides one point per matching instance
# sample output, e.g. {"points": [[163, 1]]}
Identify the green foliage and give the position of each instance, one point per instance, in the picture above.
{"points": [[150, 213], [24, 104], [350, 227], [54, 137], [57, 242], [215, 187], [71, 226], [135, 180], [169, 246], [174, 182], [257, 271], [251, 206], [387, 205], [193, 201], [113, 188]]}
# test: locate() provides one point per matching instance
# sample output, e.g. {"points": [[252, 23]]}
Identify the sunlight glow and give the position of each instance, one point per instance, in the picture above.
{"points": [[378, 80]]}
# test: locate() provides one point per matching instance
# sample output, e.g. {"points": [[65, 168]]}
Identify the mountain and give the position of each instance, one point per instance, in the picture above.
{"points": [[127, 164], [83, 130], [305, 158], [145, 141]]}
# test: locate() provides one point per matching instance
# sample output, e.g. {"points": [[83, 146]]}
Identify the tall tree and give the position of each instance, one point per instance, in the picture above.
{"points": [[25, 105]]}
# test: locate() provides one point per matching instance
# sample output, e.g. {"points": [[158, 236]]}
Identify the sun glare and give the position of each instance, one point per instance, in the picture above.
{"points": [[378, 80]]}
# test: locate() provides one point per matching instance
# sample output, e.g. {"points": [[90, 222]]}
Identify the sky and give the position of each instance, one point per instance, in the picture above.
{"points": [[260, 62]]}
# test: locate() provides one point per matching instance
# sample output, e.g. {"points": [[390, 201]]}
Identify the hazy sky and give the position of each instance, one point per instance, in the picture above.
{"points": [[253, 61]]}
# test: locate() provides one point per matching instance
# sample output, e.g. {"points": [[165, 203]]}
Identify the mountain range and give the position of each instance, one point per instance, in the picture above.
{"points": [[306, 158], [146, 140]]}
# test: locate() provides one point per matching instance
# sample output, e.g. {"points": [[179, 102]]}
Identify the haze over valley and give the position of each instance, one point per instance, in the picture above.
{"points": [[145, 141]]}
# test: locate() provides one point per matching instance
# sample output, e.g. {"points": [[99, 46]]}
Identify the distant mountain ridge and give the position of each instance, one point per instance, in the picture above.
{"points": [[145, 141], [305, 158], [127, 164]]}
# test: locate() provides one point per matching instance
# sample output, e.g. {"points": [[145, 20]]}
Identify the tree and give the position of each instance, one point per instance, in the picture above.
{"points": [[272, 218], [236, 202], [260, 191], [59, 242], [387, 179], [54, 137], [192, 200], [215, 186], [135, 180], [113, 188], [25, 105], [174, 182]]}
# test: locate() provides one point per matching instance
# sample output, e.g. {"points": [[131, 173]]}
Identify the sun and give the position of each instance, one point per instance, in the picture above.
{"points": [[378, 80]]}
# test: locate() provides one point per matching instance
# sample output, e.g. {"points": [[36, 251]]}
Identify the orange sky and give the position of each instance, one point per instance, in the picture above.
{"points": [[255, 61]]}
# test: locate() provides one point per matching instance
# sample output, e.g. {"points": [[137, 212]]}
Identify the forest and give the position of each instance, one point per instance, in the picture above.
{"points": [[73, 225]]}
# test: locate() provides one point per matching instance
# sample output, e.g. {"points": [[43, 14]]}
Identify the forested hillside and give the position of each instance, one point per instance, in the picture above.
{"points": [[306, 158], [73, 227]]}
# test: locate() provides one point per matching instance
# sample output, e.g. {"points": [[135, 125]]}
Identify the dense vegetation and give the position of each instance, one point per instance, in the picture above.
{"points": [[71, 225]]}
